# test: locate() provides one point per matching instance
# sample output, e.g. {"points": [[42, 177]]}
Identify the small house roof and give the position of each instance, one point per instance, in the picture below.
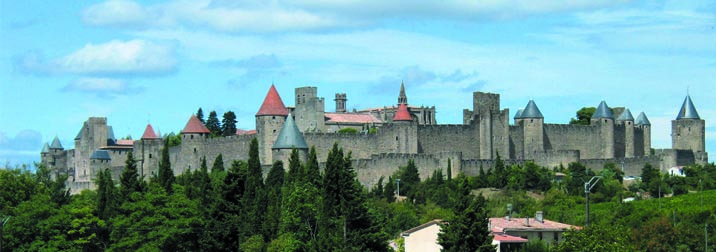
{"points": [[422, 226], [149, 132], [688, 111], [194, 126], [351, 118], [290, 137], [603, 111], [402, 114], [626, 116], [501, 224], [272, 105], [642, 120], [101, 155], [56, 144], [531, 111]]}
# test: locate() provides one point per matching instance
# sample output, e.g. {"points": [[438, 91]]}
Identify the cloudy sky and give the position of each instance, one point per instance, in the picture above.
{"points": [[159, 61]]}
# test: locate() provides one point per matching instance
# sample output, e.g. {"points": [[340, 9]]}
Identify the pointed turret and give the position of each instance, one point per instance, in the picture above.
{"points": [[272, 105], [149, 132], [603, 111], [56, 145], [518, 115], [194, 126], [688, 111], [101, 155], [45, 149], [290, 137], [531, 111], [626, 116], [642, 119], [402, 98], [402, 114]]}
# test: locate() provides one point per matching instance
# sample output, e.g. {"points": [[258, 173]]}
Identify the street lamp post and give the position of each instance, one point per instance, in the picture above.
{"points": [[588, 187], [397, 181]]}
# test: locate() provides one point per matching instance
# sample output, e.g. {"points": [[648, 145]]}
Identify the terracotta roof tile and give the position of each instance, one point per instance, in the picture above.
{"points": [[505, 238], [272, 105], [402, 114], [351, 118], [149, 133], [501, 224], [125, 142], [245, 132], [194, 126]]}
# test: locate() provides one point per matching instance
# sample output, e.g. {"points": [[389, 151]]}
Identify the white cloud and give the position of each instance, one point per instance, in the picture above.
{"points": [[116, 13], [103, 87], [119, 57]]}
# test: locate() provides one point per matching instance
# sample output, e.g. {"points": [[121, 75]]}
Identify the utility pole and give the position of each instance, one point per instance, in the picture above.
{"points": [[588, 187], [397, 181]]}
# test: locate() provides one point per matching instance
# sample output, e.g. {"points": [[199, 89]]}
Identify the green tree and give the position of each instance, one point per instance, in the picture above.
{"points": [[584, 116], [166, 174], [284, 243], [107, 202], [129, 179], [409, 179], [389, 190], [200, 115], [311, 171], [500, 172], [348, 131], [218, 165], [468, 230], [274, 183], [254, 196], [596, 238], [228, 124], [213, 124]]}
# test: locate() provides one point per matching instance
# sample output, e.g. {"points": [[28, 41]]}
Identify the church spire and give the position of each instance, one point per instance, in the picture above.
{"points": [[402, 99]]}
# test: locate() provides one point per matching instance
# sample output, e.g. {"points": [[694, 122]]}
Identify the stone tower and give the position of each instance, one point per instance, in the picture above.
{"points": [[643, 123], [310, 109], [493, 124], [45, 157], [269, 121], [288, 139], [604, 119], [147, 151], [626, 120], [533, 128], [341, 102], [406, 134], [688, 130]]}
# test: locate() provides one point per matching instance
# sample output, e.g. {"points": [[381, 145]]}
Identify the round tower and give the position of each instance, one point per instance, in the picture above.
{"points": [[533, 130], [604, 119], [626, 120], [288, 139], [269, 120], [644, 124]]}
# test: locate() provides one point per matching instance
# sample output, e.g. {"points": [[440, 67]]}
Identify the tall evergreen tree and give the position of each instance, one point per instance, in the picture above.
{"points": [[409, 179], [129, 179], [228, 124], [200, 115], [299, 209], [389, 190], [213, 124], [106, 195], [468, 229], [449, 170], [500, 172], [218, 165], [311, 171], [254, 198], [166, 174], [295, 170], [274, 183]]}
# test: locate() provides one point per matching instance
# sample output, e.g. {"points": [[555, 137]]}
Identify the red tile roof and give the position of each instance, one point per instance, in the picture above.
{"points": [[402, 114], [125, 142], [245, 132], [194, 126], [351, 118], [273, 105], [501, 224], [505, 238], [149, 133]]}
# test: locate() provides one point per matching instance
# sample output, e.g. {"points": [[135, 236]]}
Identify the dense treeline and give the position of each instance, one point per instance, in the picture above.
{"points": [[303, 209]]}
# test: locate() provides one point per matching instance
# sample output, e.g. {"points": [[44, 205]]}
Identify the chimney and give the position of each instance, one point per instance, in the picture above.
{"points": [[509, 211], [527, 221], [539, 217]]}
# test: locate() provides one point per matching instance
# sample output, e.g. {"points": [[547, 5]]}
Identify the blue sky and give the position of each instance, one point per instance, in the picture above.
{"points": [[158, 61]]}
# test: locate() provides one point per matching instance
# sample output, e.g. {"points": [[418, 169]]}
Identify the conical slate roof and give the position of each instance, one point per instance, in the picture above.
{"points": [[46, 148], [603, 111], [101, 155], [194, 126], [402, 98], [402, 114], [642, 120], [688, 111], [290, 137], [518, 115], [272, 105], [531, 111], [56, 144], [149, 132], [626, 116]]}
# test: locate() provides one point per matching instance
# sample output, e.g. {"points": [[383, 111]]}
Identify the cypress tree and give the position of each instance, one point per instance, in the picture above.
{"points": [[500, 172], [218, 164], [254, 198], [295, 171], [312, 172], [468, 230], [409, 179], [200, 115], [449, 170], [129, 179], [213, 124], [274, 182], [106, 195], [389, 190], [166, 174], [228, 124]]}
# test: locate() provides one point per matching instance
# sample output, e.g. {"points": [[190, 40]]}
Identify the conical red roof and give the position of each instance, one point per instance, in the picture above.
{"points": [[273, 105], [149, 133], [402, 114], [194, 126]]}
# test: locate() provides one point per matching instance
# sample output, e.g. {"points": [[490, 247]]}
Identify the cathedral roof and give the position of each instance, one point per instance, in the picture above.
{"points": [[531, 111], [603, 111], [290, 137], [56, 144], [101, 155], [46, 148], [402, 114], [688, 111], [194, 126], [642, 120], [149, 132], [350, 118], [272, 105], [626, 116], [518, 115]]}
